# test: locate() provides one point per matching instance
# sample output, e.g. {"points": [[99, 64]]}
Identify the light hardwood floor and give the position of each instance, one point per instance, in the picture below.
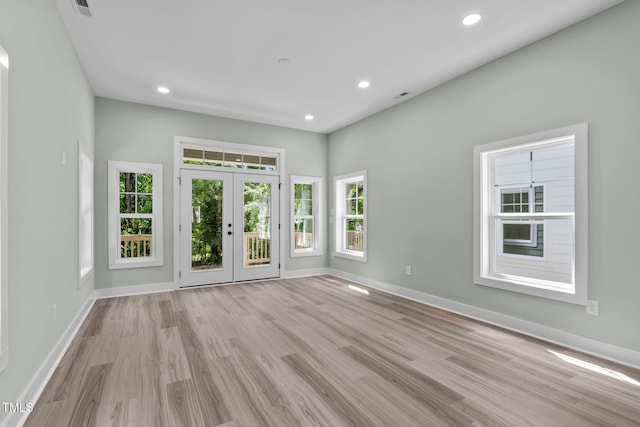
{"points": [[313, 351]]}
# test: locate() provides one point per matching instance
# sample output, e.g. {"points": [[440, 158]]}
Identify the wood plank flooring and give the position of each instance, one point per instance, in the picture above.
{"points": [[313, 352]]}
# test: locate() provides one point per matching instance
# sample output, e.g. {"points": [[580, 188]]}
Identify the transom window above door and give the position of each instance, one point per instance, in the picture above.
{"points": [[220, 157]]}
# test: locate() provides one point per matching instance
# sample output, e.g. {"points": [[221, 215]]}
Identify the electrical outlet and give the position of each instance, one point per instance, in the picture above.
{"points": [[54, 311], [592, 307], [407, 270]]}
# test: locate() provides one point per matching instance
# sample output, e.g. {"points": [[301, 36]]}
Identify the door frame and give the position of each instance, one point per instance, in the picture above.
{"points": [[178, 143]]}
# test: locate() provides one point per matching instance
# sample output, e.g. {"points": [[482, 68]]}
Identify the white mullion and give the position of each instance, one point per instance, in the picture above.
{"points": [[135, 193], [134, 216], [296, 217]]}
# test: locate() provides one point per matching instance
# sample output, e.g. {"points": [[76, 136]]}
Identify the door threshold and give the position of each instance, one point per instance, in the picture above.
{"points": [[229, 283]]}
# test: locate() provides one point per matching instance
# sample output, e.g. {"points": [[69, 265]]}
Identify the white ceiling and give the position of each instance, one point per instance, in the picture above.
{"points": [[221, 57]]}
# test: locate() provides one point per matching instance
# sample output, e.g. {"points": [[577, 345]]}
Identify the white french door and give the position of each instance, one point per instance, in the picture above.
{"points": [[229, 227], [206, 221], [256, 243]]}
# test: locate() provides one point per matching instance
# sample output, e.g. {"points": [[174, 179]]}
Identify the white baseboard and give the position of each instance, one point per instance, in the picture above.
{"points": [[44, 373], [601, 349], [150, 288], [304, 273]]}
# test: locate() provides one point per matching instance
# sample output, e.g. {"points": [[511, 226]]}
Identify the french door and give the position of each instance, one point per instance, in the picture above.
{"points": [[229, 227]]}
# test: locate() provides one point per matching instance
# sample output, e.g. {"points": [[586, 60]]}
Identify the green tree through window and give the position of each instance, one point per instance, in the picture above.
{"points": [[206, 226]]}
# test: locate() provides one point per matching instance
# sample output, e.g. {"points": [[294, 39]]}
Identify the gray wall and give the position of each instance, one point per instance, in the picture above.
{"points": [[419, 161], [418, 157], [51, 107], [140, 133]]}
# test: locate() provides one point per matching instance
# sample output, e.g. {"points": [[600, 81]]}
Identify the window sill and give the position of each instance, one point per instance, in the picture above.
{"points": [[85, 275], [305, 254], [154, 262], [355, 256], [540, 289]]}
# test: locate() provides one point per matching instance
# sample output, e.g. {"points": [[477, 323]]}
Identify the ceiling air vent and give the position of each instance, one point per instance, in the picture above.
{"points": [[82, 7]]}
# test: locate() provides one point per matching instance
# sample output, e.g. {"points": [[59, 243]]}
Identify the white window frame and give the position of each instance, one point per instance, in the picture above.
{"points": [[340, 183], [316, 215], [484, 237], [4, 253], [115, 260], [85, 214]]}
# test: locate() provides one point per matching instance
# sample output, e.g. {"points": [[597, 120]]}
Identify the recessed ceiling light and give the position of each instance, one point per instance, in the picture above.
{"points": [[308, 117], [364, 84], [163, 89], [472, 19]]}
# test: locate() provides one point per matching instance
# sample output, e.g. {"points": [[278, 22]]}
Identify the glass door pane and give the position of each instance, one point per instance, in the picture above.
{"points": [[256, 244], [206, 230], [257, 223], [206, 224]]}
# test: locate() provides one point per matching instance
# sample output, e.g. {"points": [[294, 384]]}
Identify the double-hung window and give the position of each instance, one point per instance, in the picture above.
{"points": [[306, 220], [531, 214], [4, 275], [351, 220], [135, 214]]}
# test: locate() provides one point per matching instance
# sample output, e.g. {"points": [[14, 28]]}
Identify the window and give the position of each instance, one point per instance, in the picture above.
{"points": [[531, 214], [135, 215], [85, 212], [306, 217], [351, 220], [4, 275]]}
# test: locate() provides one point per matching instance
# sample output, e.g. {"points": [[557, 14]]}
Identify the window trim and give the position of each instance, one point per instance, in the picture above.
{"points": [[4, 228], [316, 214], [85, 159], [114, 169], [340, 207], [483, 214]]}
